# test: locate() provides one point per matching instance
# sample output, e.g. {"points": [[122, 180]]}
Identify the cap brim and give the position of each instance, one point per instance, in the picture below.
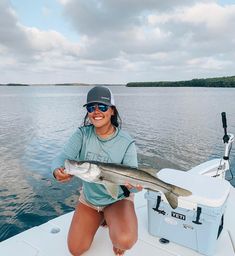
{"points": [[102, 102]]}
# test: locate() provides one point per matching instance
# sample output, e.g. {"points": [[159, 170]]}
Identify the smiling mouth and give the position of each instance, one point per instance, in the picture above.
{"points": [[98, 118]]}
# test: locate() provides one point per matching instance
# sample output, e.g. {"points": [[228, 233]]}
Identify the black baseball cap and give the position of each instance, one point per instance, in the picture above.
{"points": [[100, 94]]}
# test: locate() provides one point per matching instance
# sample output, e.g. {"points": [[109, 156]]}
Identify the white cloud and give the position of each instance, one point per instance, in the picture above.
{"points": [[49, 40], [121, 41], [103, 16], [11, 34], [208, 63]]}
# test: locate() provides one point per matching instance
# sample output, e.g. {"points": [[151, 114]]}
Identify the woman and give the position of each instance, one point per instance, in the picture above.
{"points": [[100, 139]]}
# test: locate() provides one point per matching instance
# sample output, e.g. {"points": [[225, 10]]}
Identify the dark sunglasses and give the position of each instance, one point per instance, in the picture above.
{"points": [[91, 107]]}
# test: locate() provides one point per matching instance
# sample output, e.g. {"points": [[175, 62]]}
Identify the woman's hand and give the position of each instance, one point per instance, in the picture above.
{"points": [[61, 176], [138, 187]]}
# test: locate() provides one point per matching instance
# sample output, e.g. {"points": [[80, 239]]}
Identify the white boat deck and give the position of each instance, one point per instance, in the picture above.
{"points": [[41, 241]]}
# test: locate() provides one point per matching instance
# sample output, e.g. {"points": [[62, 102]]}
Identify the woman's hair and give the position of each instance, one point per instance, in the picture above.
{"points": [[115, 118]]}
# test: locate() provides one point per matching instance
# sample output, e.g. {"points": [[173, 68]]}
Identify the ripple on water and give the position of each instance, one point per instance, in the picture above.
{"points": [[173, 127]]}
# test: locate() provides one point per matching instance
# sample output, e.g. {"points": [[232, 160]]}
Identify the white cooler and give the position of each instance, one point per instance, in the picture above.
{"points": [[198, 220]]}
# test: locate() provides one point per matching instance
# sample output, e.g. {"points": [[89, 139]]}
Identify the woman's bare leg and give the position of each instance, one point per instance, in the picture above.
{"points": [[83, 227], [122, 223]]}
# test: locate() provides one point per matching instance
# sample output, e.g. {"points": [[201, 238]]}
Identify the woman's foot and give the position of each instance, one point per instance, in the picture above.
{"points": [[118, 252]]}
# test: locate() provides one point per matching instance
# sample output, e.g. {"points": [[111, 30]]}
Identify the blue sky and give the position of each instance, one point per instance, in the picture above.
{"points": [[109, 41], [45, 15]]}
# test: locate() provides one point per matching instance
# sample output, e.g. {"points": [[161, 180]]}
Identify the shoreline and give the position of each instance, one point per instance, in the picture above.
{"points": [[216, 82], [65, 84]]}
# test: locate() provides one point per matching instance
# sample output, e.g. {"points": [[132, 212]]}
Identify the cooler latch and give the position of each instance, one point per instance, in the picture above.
{"points": [[157, 206], [199, 211]]}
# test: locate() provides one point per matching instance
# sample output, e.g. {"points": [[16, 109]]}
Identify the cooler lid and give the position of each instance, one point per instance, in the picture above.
{"points": [[205, 190]]}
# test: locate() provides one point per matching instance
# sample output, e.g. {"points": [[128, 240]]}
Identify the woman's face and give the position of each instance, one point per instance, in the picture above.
{"points": [[100, 119]]}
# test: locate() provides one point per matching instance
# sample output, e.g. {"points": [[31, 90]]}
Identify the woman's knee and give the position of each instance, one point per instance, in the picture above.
{"points": [[124, 241], [77, 249]]}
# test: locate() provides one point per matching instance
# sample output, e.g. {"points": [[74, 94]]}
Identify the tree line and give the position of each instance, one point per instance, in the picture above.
{"points": [[207, 82]]}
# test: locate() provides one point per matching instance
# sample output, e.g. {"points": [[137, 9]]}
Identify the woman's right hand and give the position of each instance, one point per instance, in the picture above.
{"points": [[61, 176]]}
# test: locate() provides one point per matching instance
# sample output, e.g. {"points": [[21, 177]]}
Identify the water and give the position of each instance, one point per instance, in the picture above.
{"points": [[173, 127]]}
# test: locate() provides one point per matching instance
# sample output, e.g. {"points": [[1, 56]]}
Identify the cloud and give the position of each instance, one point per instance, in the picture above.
{"points": [[105, 16], [153, 27], [28, 51], [11, 35], [121, 41]]}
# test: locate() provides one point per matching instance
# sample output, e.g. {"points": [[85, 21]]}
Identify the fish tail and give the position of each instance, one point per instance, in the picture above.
{"points": [[172, 196], [172, 199]]}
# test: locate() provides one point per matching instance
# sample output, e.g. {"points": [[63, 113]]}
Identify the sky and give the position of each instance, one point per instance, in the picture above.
{"points": [[115, 41]]}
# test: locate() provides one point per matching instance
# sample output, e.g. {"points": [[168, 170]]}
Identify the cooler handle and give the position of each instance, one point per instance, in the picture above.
{"points": [[157, 206], [199, 211]]}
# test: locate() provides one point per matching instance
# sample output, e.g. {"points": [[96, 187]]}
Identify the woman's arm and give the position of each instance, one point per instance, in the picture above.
{"points": [[71, 151]]}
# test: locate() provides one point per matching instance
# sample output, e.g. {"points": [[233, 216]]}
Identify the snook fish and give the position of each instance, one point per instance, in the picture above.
{"points": [[113, 175]]}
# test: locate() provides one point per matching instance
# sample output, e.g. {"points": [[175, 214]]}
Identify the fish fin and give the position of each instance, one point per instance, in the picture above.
{"points": [[151, 171], [172, 199], [112, 189]]}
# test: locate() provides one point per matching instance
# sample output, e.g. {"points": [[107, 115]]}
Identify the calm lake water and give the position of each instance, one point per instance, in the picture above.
{"points": [[173, 127]]}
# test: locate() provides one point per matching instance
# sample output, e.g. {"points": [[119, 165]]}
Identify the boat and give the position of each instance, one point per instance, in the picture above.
{"points": [[159, 226]]}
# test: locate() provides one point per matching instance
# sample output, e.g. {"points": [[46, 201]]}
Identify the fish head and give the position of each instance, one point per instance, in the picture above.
{"points": [[83, 170], [91, 174]]}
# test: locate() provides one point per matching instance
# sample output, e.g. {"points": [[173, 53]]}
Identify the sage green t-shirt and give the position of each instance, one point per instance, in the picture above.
{"points": [[85, 144]]}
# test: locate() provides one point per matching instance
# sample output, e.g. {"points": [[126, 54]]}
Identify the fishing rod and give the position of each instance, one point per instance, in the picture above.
{"points": [[224, 122], [228, 139]]}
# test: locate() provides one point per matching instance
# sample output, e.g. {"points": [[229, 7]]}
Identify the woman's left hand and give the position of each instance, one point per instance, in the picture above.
{"points": [[138, 186]]}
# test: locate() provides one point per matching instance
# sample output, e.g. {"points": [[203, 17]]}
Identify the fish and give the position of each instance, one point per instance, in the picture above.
{"points": [[112, 176]]}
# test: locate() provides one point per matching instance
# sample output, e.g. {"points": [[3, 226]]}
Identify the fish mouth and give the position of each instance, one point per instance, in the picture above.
{"points": [[72, 166]]}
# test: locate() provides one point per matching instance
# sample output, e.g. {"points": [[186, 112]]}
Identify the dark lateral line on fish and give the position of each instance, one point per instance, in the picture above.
{"points": [[116, 172], [137, 178]]}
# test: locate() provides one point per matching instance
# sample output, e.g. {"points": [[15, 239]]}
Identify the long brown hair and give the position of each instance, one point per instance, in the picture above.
{"points": [[115, 119]]}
